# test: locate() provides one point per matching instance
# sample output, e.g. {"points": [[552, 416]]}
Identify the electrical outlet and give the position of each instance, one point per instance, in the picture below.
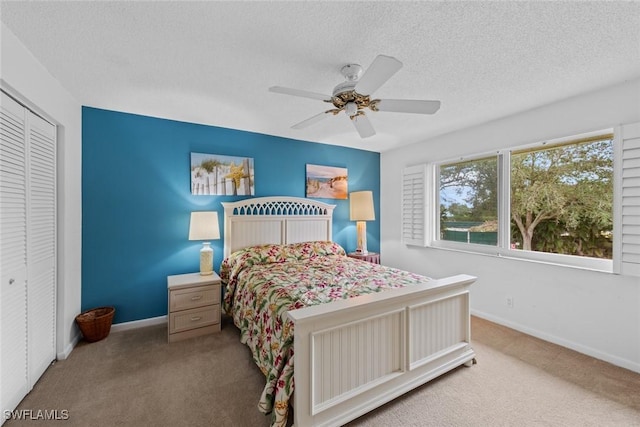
{"points": [[510, 302]]}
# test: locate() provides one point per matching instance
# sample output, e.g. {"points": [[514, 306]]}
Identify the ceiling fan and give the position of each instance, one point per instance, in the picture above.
{"points": [[354, 95]]}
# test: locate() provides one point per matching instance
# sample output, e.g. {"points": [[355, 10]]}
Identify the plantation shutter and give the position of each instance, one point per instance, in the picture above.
{"points": [[414, 209], [629, 197]]}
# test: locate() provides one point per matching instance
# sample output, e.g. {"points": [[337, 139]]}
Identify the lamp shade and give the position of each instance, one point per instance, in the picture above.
{"points": [[361, 206], [204, 226]]}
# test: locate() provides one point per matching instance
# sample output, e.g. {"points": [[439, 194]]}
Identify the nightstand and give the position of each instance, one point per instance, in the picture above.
{"points": [[372, 257], [194, 305]]}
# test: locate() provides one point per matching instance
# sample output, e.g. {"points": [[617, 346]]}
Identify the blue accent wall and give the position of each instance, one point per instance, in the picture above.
{"points": [[136, 200]]}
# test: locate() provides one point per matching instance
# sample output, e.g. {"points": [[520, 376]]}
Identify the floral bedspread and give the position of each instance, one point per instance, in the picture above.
{"points": [[264, 282]]}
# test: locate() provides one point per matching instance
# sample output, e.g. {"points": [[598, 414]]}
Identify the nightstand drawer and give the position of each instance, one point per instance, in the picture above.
{"points": [[193, 305], [195, 318], [183, 299]]}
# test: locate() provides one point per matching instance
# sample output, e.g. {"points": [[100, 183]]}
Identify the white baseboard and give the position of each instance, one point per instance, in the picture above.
{"points": [[139, 323], [69, 348], [614, 360]]}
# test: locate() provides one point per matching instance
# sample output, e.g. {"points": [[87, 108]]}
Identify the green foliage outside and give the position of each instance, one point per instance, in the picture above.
{"points": [[561, 197]]}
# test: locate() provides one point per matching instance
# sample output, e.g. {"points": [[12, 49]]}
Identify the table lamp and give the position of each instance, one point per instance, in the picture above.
{"points": [[361, 210], [204, 226]]}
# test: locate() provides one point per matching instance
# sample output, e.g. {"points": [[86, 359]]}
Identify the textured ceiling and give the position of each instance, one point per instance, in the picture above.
{"points": [[212, 62]]}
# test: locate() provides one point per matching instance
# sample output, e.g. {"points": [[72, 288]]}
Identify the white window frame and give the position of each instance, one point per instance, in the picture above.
{"points": [[503, 248]]}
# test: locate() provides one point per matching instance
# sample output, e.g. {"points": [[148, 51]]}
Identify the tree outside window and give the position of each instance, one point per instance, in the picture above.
{"points": [[469, 201], [561, 199]]}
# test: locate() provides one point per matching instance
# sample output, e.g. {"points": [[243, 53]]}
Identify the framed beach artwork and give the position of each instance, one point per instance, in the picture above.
{"points": [[217, 175], [326, 182]]}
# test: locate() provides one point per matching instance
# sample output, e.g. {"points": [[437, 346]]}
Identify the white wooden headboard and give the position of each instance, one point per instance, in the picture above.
{"points": [[277, 220]]}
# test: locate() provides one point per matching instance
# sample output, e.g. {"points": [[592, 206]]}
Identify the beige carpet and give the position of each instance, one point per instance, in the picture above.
{"points": [[134, 378]]}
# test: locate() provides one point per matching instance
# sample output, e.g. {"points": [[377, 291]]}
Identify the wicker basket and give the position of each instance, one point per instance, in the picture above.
{"points": [[95, 324]]}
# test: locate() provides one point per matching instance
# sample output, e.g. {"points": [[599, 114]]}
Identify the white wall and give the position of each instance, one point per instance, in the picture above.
{"points": [[595, 313], [24, 77]]}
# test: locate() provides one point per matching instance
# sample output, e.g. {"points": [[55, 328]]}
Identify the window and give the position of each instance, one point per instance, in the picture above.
{"points": [[562, 198], [552, 202], [469, 201]]}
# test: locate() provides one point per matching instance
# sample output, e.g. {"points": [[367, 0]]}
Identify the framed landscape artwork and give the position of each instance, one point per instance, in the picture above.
{"points": [[214, 174], [326, 182]]}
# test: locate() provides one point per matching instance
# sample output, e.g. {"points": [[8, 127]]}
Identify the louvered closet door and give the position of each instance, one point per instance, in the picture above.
{"points": [[27, 249], [13, 254], [41, 244]]}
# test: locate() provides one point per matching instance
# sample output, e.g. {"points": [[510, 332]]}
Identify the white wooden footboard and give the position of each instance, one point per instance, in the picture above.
{"points": [[354, 355]]}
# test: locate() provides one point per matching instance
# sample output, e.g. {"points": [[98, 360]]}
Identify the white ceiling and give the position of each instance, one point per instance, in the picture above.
{"points": [[212, 62]]}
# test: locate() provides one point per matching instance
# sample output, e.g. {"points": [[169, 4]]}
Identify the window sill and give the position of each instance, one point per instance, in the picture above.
{"points": [[558, 260]]}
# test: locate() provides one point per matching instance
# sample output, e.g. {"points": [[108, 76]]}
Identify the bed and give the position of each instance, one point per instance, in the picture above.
{"points": [[351, 355]]}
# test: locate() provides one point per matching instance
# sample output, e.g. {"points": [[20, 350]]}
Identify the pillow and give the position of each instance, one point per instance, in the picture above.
{"points": [[267, 254], [307, 250]]}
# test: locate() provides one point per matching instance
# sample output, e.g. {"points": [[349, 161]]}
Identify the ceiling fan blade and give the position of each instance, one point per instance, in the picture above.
{"points": [[380, 70], [310, 121], [408, 106], [299, 92], [363, 126]]}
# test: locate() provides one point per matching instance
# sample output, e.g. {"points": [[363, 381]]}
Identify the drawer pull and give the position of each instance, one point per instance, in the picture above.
{"points": [[196, 298], [196, 318]]}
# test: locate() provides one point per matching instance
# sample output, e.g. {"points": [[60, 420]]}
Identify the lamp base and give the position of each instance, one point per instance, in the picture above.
{"points": [[361, 230], [206, 259]]}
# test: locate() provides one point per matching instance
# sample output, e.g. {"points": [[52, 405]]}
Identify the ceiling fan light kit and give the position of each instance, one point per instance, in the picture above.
{"points": [[349, 96]]}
